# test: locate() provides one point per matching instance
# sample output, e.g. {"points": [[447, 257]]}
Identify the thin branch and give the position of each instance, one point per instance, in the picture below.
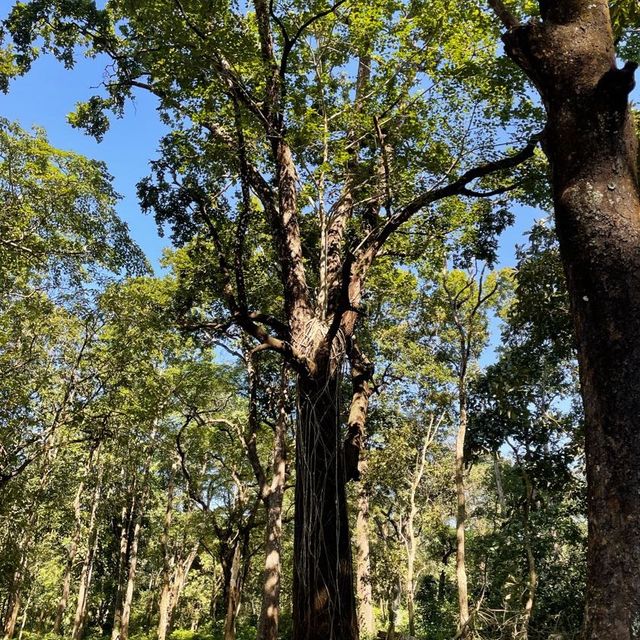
{"points": [[291, 42], [504, 15]]}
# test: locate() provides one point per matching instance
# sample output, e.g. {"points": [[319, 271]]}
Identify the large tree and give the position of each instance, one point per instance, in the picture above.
{"points": [[305, 135], [568, 51]]}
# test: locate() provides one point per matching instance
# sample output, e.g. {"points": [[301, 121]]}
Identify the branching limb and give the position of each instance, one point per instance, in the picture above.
{"points": [[504, 15]]}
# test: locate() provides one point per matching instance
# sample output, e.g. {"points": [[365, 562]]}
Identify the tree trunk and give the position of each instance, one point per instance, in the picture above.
{"points": [[13, 610], [24, 617], [14, 595], [87, 566], [497, 472], [270, 610], [125, 520], [179, 581], [233, 589], [131, 576], [213, 600], [122, 612], [363, 564], [323, 591], [411, 610], [75, 542], [71, 556], [411, 539], [167, 557], [531, 560], [163, 609], [591, 144], [461, 516], [28, 540]]}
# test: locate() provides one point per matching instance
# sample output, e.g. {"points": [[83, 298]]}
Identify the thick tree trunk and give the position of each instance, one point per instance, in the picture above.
{"points": [[323, 590], [363, 564], [163, 608], [461, 516], [591, 144], [271, 493], [270, 610], [15, 602]]}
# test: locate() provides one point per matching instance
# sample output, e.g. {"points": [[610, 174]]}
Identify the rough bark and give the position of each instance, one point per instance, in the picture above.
{"points": [[323, 591], [270, 610], [233, 583], [591, 144], [15, 602]]}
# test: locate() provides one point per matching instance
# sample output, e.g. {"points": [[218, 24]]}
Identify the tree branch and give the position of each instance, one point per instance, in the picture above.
{"points": [[504, 15], [372, 243]]}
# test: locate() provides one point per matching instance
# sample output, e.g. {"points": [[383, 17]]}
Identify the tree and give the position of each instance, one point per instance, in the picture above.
{"points": [[60, 235], [460, 305], [524, 410], [568, 52], [265, 99]]}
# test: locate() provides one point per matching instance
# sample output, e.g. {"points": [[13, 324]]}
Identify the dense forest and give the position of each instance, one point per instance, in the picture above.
{"points": [[346, 405]]}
